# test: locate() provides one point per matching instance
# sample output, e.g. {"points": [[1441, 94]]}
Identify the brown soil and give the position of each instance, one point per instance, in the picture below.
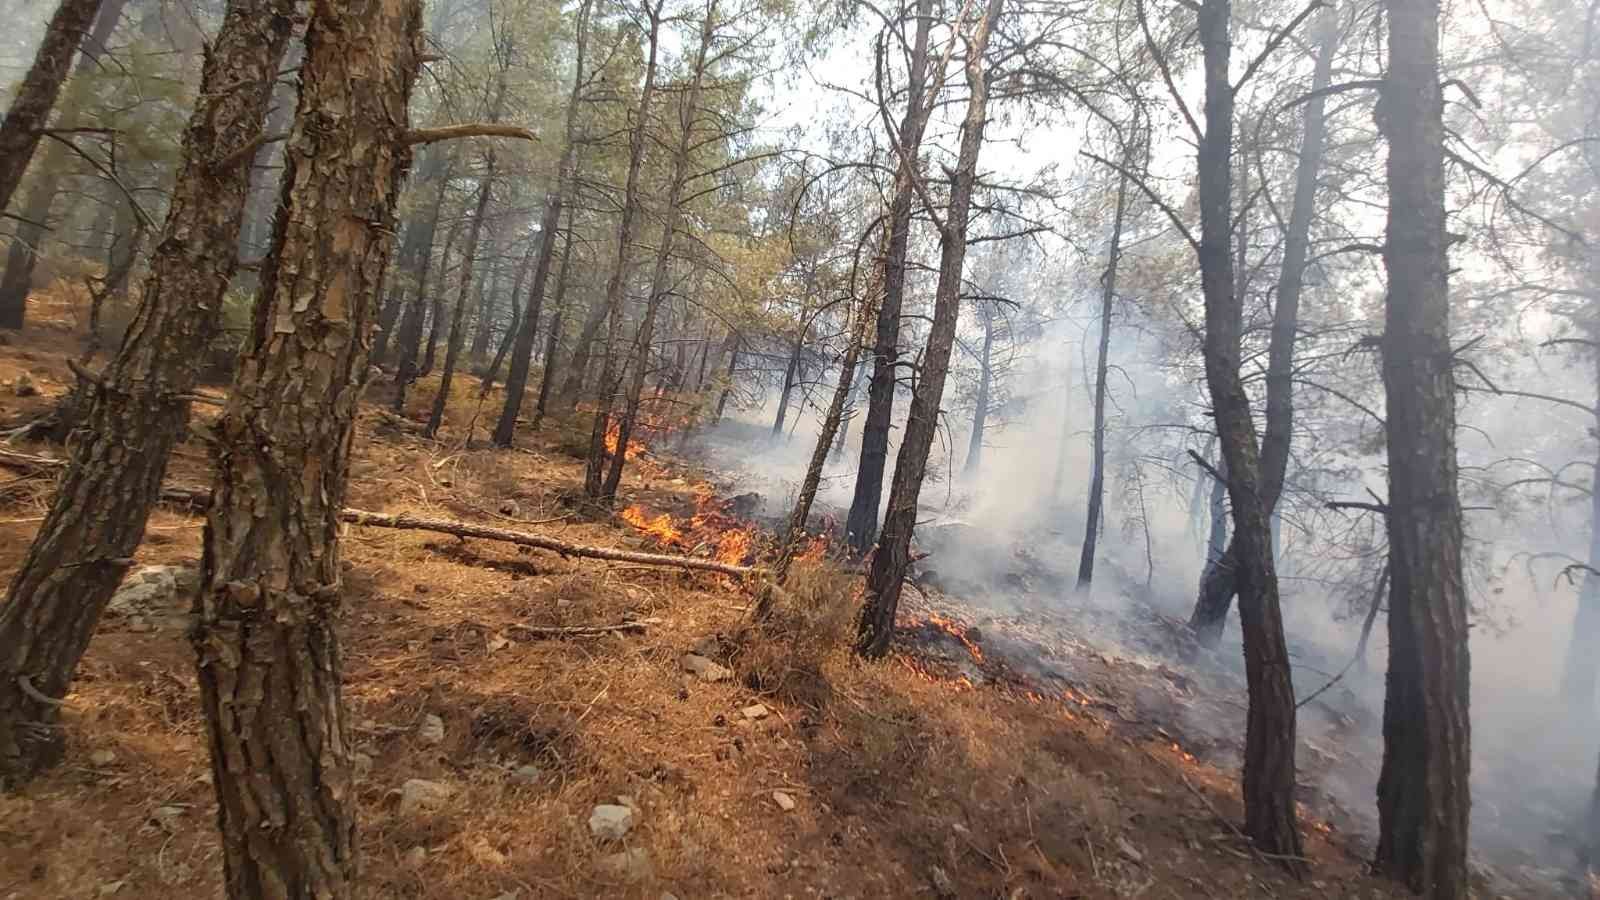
{"points": [[906, 782]]}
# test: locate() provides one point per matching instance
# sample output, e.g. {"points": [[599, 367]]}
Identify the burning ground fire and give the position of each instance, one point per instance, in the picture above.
{"points": [[730, 540]]}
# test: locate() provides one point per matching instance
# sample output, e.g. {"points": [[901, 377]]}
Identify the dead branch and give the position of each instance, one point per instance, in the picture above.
{"points": [[525, 539], [475, 129], [540, 631]]}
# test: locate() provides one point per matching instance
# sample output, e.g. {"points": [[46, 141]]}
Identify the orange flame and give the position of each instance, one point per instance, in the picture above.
{"points": [[959, 632], [661, 527]]}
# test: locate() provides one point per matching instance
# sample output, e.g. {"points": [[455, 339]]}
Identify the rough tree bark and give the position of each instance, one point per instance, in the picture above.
{"points": [[861, 524], [557, 320], [554, 203], [892, 555], [1423, 790], [1269, 766], [268, 653], [25, 121], [606, 390], [688, 112], [138, 409], [1217, 581], [1097, 462]]}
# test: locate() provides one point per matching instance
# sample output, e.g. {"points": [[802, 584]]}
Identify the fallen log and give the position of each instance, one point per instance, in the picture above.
{"points": [[44, 464], [542, 631]]}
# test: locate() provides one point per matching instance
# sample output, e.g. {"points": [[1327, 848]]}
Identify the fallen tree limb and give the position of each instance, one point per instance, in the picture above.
{"points": [[47, 465], [525, 539], [539, 631]]}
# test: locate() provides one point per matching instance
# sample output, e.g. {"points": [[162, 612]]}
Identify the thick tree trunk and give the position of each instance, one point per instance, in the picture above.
{"points": [[29, 114], [1097, 462], [892, 556], [1269, 765], [1217, 583], [268, 653], [557, 318], [861, 524], [687, 114], [1423, 790], [452, 352], [980, 407], [138, 410], [1582, 666], [566, 174], [606, 391]]}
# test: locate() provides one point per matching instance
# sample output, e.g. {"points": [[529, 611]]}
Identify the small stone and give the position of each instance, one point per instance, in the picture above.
{"points": [[102, 758], [563, 603], [24, 386], [527, 774], [510, 509], [942, 885], [112, 887], [628, 801], [629, 865], [784, 801], [415, 857], [754, 712], [360, 765], [1129, 850], [139, 625], [431, 732], [609, 822], [704, 668], [418, 795]]}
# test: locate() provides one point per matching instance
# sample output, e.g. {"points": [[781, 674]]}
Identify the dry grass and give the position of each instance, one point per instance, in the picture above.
{"points": [[893, 772]]}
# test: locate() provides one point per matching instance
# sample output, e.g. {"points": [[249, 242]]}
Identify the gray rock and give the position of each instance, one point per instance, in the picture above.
{"points": [[527, 774], [784, 801], [755, 711], [942, 885], [360, 765], [704, 668], [629, 865], [102, 758], [610, 822], [418, 795], [24, 386], [161, 591], [431, 732]]}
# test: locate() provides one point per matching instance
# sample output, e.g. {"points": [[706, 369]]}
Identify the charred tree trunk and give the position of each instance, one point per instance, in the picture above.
{"points": [[1097, 462], [687, 113], [1582, 666], [17, 281], [892, 556], [1423, 790], [514, 327], [980, 411], [790, 376], [436, 313], [452, 352], [406, 369], [26, 120], [557, 318], [268, 652], [606, 391], [727, 389], [138, 409], [1217, 581], [861, 525], [1269, 765], [566, 174]]}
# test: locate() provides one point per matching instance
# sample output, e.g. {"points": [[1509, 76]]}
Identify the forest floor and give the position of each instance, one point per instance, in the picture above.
{"points": [[943, 771]]}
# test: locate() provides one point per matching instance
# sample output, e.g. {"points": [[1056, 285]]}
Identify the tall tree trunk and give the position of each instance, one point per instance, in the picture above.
{"points": [[1097, 462], [412, 319], [488, 289], [606, 390], [436, 313], [29, 114], [582, 354], [1582, 666], [727, 389], [515, 325], [893, 553], [1423, 789], [138, 411], [980, 408], [557, 319], [687, 113], [554, 203], [861, 524], [1269, 766], [452, 352], [1217, 580], [268, 652], [790, 376]]}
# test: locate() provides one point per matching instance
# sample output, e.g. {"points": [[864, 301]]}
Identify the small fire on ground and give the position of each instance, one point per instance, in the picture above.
{"points": [[712, 528]]}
